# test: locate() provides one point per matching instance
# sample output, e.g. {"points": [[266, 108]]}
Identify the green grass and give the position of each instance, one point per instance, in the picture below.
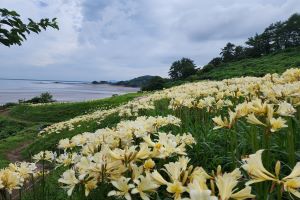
{"points": [[10, 127], [22, 123], [63, 111], [213, 148], [13, 142], [273, 63]]}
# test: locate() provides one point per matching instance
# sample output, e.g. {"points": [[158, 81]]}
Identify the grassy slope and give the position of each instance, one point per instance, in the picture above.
{"points": [[211, 149], [63, 111], [10, 127], [54, 191], [273, 63], [23, 122], [209, 156]]}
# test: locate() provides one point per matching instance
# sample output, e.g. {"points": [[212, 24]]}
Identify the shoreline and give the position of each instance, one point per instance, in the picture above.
{"points": [[12, 91], [69, 82], [67, 102]]}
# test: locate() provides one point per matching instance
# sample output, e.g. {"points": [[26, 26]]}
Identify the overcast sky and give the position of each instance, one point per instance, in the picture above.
{"points": [[122, 39]]}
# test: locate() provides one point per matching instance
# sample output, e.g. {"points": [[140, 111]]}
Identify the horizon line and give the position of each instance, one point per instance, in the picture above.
{"points": [[31, 79]]}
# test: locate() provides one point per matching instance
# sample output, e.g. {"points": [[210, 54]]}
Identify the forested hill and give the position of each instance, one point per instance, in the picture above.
{"points": [[273, 50], [136, 82], [273, 63]]}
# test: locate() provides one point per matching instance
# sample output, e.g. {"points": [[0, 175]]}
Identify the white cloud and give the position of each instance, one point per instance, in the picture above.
{"points": [[121, 39]]}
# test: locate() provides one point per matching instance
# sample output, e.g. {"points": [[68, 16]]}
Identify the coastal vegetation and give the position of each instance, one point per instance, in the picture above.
{"points": [[45, 97], [21, 123], [229, 139]]}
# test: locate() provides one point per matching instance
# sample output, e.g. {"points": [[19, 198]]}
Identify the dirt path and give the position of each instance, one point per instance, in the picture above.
{"points": [[4, 112], [15, 154]]}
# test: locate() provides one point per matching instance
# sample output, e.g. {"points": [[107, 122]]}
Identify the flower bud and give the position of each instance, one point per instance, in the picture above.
{"points": [[219, 170], [277, 168]]}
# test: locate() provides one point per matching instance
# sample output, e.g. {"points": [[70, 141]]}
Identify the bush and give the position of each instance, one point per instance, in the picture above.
{"points": [[45, 97], [156, 83], [207, 68], [192, 78], [8, 105]]}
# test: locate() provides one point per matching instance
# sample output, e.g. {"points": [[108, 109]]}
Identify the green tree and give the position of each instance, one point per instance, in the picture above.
{"points": [[182, 69], [239, 53], [292, 31], [156, 83], [256, 46], [13, 30], [227, 52], [216, 61]]}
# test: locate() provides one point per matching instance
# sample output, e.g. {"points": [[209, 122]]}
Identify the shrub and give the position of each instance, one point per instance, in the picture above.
{"points": [[156, 83], [45, 97]]}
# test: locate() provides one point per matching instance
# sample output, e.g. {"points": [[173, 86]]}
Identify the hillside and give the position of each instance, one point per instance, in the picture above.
{"points": [[195, 128], [20, 123], [272, 63]]}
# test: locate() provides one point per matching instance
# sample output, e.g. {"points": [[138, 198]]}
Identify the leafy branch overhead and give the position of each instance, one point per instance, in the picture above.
{"points": [[13, 30]]}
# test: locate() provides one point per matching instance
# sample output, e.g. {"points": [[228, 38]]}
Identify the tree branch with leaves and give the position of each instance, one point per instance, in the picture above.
{"points": [[13, 31]]}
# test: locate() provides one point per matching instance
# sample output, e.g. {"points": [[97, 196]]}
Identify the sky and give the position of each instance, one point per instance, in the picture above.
{"points": [[123, 39]]}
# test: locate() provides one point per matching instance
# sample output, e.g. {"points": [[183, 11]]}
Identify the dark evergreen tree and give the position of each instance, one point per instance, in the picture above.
{"points": [[239, 53], [227, 52]]}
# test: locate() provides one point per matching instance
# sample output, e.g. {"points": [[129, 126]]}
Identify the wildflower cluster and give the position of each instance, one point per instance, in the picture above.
{"points": [[16, 175], [139, 159]]}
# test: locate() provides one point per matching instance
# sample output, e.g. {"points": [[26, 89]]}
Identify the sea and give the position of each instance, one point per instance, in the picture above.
{"points": [[62, 91]]}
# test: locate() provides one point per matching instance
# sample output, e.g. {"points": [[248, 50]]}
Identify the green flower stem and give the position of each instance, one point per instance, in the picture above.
{"points": [[291, 143]]}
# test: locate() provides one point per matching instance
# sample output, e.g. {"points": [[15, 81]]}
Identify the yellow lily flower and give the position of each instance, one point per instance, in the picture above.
{"points": [[69, 180], [286, 109], [197, 192], [10, 180], [145, 185], [226, 184], [176, 188], [277, 124], [221, 123], [251, 118], [291, 182], [254, 166], [89, 186], [123, 188]]}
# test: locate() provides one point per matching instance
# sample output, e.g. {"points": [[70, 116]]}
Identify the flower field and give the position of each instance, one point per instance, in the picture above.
{"points": [[233, 139]]}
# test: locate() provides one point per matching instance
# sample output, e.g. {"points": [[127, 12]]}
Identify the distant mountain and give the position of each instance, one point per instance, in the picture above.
{"points": [[136, 82]]}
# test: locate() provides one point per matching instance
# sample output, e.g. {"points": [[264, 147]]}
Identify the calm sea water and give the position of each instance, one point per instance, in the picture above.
{"points": [[13, 90]]}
